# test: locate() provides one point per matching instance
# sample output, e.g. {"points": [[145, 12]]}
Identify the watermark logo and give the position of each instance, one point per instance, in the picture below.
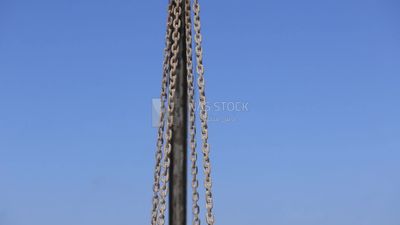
{"points": [[155, 112], [218, 111]]}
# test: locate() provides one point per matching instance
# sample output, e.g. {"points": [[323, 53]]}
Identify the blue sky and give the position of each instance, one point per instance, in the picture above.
{"points": [[318, 144]]}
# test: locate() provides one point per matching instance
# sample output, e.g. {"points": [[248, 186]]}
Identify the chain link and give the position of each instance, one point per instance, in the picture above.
{"points": [[170, 63], [203, 115], [161, 125], [192, 121], [177, 10]]}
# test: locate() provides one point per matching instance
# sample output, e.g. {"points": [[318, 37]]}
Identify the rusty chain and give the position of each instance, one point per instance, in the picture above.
{"points": [[170, 63], [192, 121], [161, 125], [203, 115], [177, 10]]}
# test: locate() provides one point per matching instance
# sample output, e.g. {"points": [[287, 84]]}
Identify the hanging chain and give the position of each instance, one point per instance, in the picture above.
{"points": [[192, 122], [203, 115], [161, 125], [171, 91], [170, 63]]}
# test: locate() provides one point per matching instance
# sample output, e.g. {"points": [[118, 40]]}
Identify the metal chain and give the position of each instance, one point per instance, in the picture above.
{"points": [[163, 152], [161, 125], [203, 115], [192, 125], [171, 91]]}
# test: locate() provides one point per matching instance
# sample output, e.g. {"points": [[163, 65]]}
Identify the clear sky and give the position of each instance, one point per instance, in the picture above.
{"points": [[318, 144]]}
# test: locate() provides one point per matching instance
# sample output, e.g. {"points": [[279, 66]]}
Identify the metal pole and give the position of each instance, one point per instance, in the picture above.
{"points": [[178, 167]]}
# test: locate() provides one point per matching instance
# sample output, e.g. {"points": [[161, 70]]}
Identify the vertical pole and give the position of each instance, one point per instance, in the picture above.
{"points": [[178, 167]]}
